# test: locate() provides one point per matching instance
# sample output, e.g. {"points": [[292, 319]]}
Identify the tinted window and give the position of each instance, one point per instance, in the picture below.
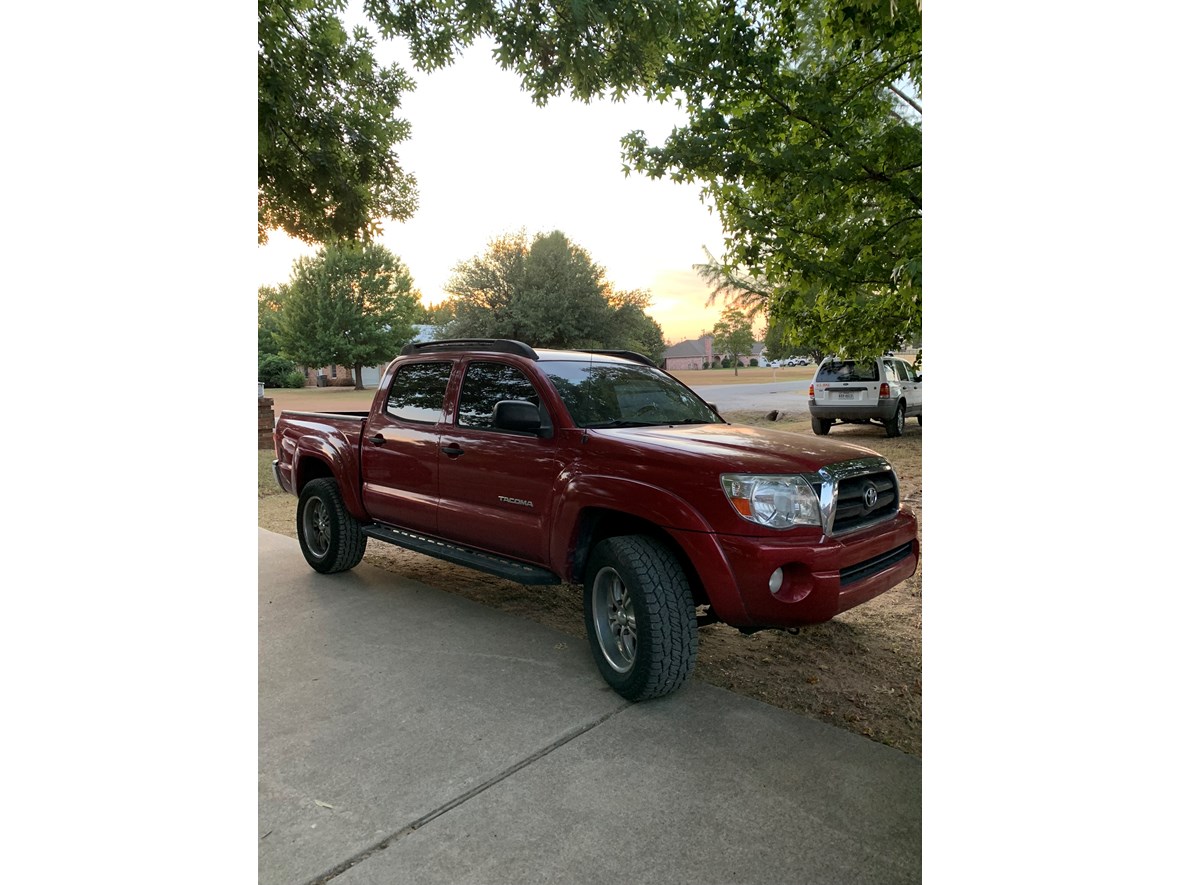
{"points": [[417, 392], [625, 395], [847, 370], [486, 384]]}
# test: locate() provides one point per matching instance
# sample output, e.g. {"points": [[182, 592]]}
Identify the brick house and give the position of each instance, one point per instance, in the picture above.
{"points": [[698, 354]]}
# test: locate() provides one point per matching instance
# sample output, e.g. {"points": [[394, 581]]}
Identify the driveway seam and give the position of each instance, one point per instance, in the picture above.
{"points": [[417, 824]]}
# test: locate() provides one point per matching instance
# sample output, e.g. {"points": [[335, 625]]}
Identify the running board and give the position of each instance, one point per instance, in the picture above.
{"points": [[501, 567]]}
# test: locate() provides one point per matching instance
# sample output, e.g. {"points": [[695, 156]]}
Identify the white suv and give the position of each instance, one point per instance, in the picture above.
{"points": [[885, 389]]}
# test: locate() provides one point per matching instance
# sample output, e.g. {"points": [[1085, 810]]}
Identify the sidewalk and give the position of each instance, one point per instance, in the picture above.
{"points": [[410, 735]]}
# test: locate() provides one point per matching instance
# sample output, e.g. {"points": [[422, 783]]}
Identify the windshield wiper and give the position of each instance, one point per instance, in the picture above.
{"points": [[602, 425]]}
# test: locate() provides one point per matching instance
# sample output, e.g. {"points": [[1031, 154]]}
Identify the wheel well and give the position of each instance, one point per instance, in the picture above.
{"points": [[597, 525], [311, 468]]}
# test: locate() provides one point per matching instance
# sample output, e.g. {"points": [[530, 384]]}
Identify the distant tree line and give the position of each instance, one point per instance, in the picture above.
{"points": [[354, 304]]}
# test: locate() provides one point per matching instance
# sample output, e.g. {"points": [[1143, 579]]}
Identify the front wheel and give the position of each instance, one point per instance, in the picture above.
{"points": [[895, 426], [640, 618], [329, 536]]}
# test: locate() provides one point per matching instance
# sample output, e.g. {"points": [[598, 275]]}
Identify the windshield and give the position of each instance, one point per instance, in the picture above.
{"points": [[625, 395]]}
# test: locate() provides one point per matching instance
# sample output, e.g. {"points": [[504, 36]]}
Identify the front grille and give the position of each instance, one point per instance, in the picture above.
{"points": [[877, 564], [852, 509]]}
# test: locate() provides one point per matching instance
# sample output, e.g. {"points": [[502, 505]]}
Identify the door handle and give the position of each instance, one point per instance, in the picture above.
{"points": [[452, 449], [377, 439]]}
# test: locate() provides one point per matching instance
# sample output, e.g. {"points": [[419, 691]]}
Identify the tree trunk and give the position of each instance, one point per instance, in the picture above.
{"points": [[359, 381]]}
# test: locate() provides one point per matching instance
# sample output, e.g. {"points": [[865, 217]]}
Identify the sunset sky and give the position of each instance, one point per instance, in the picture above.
{"points": [[488, 162]]}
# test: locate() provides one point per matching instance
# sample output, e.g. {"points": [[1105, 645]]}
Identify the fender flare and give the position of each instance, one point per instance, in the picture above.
{"points": [[679, 520], [342, 461]]}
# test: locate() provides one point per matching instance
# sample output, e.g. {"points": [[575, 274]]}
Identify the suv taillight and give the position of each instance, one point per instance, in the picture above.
{"points": [[811, 391], [884, 393]]}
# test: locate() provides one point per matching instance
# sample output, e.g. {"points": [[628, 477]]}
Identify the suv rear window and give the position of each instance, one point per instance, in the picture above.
{"points": [[847, 370]]}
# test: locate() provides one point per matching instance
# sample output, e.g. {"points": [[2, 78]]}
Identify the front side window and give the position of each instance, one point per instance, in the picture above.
{"points": [[486, 384], [418, 391]]}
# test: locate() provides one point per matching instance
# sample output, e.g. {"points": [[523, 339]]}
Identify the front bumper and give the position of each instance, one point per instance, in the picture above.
{"points": [[820, 579]]}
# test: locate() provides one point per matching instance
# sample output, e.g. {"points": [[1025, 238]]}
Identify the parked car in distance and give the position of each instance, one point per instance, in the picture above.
{"points": [[884, 390]]}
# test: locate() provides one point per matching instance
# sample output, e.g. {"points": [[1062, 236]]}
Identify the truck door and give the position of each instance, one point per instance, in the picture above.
{"points": [[496, 486], [399, 452]]}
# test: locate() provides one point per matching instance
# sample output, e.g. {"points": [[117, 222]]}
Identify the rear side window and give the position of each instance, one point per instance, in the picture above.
{"points": [[847, 370], [417, 392], [486, 384]]}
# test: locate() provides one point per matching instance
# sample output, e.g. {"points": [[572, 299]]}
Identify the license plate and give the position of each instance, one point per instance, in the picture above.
{"points": [[845, 394]]}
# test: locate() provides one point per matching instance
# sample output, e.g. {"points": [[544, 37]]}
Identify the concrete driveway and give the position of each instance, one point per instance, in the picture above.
{"points": [[409, 735]]}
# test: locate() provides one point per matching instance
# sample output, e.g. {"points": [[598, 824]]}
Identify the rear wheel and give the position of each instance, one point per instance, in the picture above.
{"points": [[820, 426], [895, 426], [330, 538], [640, 618]]}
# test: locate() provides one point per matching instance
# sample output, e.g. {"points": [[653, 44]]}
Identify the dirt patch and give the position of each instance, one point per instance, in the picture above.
{"points": [[862, 671]]}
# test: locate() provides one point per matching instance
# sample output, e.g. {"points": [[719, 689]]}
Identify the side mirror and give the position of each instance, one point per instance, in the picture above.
{"points": [[918, 378], [516, 415]]}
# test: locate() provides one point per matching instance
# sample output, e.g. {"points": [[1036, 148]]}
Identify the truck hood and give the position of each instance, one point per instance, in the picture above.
{"points": [[737, 448]]}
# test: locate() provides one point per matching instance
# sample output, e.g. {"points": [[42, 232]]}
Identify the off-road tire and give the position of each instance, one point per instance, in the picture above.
{"points": [[820, 426], [329, 536], [895, 426], [659, 651], [919, 419]]}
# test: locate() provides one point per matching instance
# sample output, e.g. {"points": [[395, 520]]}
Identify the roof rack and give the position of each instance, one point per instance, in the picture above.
{"points": [[496, 345], [624, 354]]}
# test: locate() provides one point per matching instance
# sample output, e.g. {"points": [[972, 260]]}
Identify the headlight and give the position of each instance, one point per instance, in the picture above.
{"points": [[776, 501]]}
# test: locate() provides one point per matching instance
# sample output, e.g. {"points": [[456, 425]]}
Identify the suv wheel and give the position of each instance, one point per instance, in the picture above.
{"points": [[640, 617], [895, 426], [820, 426]]}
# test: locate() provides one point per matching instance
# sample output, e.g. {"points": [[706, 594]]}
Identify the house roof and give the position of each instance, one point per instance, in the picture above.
{"points": [[686, 348], [697, 348]]}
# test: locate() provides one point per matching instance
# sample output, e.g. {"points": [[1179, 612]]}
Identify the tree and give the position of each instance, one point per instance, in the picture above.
{"points": [[592, 48], [550, 293], [352, 304], [630, 327], [326, 126], [270, 299], [483, 288], [733, 335], [805, 133], [562, 300]]}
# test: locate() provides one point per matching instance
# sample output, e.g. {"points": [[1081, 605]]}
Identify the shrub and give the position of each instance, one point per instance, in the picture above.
{"points": [[274, 371], [294, 380]]}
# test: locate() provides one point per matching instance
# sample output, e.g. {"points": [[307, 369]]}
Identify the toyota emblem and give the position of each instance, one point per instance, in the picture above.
{"points": [[870, 497]]}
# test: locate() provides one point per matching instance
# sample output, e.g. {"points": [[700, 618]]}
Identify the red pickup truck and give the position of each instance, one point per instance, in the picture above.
{"points": [[599, 469]]}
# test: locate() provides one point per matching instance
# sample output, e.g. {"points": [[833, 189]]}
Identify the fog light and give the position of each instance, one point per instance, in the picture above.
{"points": [[776, 580]]}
